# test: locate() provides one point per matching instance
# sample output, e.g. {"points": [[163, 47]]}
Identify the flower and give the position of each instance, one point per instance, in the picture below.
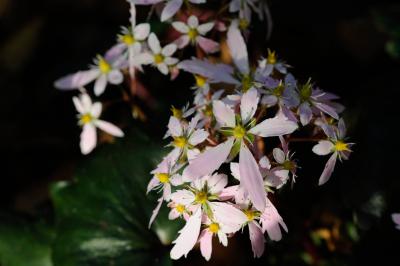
{"points": [[88, 119], [240, 130], [171, 6], [104, 70], [336, 145], [130, 41], [201, 197], [396, 219], [271, 63], [193, 33], [159, 57]]}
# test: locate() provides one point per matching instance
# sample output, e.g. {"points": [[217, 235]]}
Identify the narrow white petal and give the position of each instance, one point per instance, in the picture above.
{"points": [[272, 127], [175, 127], [224, 114], [238, 48], [154, 43], [328, 170], [109, 128], [248, 105], [88, 138]]}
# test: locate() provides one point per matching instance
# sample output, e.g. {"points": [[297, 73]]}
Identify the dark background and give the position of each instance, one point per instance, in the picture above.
{"points": [[339, 43]]}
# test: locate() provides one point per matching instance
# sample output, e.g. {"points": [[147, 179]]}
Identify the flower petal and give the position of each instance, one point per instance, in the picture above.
{"points": [[216, 183], [324, 147], [238, 48], [224, 114], [170, 9], [305, 113], [115, 77], [182, 41], [77, 80], [276, 126], [251, 179], [88, 138], [156, 211], [248, 105], [227, 214], [206, 244], [169, 49], [279, 155], [141, 31], [100, 85], [208, 45], [257, 239], [154, 43], [328, 170], [175, 127], [198, 137], [180, 26], [187, 236], [193, 22], [109, 128], [204, 28]]}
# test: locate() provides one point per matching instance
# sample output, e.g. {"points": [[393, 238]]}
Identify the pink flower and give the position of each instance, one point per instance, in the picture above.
{"points": [[193, 33], [396, 219], [89, 114]]}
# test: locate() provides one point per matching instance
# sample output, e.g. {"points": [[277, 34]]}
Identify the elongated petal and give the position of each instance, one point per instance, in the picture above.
{"points": [[78, 105], [238, 48], [115, 77], [396, 219], [198, 137], [204, 28], [305, 113], [163, 68], [114, 52], [235, 171], [208, 161], [327, 109], [328, 170], [276, 126], [100, 85], [193, 22], [251, 179], [182, 41], [109, 128], [156, 211], [141, 31], [180, 26], [271, 222], [86, 102], [341, 129], [324, 147], [170, 9], [206, 244], [217, 183], [248, 105], [183, 196], [279, 155], [169, 49], [208, 45], [257, 239], [175, 127], [187, 236], [224, 114], [77, 80], [143, 59], [96, 110], [88, 138], [154, 43], [229, 215]]}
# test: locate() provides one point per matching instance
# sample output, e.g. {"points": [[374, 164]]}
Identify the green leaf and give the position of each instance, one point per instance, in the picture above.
{"points": [[102, 217], [23, 243]]}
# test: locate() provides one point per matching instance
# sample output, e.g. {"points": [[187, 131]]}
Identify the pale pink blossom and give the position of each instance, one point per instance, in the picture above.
{"points": [[396, 219]]}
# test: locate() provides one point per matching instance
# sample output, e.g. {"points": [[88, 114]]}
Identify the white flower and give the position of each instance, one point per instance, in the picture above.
{"points": [[159, 57], [89, 114]]}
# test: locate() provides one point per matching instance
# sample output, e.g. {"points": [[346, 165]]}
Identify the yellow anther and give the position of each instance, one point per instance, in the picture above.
{"points": [[158, 58], [86, 118], [250, 214], [341, 146], [176, 112], [239, 132], [243, 24], [201, 197], [193, 33], [214, 228], [128, 39], [104, 66], [247, 83], [163, 177], [180, 208], [180, 142], [271, 59], [200, 80]]}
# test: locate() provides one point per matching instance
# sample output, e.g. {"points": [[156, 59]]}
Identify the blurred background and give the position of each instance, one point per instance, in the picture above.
{"points": [[351, 48]]}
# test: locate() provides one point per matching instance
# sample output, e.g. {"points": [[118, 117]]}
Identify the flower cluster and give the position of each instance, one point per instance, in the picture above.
{"points": [[230, 148]]}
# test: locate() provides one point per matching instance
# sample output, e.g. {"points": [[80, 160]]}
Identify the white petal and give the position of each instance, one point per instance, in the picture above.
{"points": [[180, 26], [163, 68], [248, 105], [208, 161], [175, 127], [279, 155], [144, 59], [224, 114], [115, 77], [188, 236], [238, 48], [217, 183], [204, 28], [324, 147], [169, 49], [78, 105], [141, 31], [328, 170], [171, 61], [251, 179], [227, 214], [96, 110], [88, 138], [235, 170], [100, 85], [276, 126], [156, 211], [193, 22], [170, 9], [198, 137], [257, 239], [154, 43], [182, 41], [77, 80], [109, 128]]}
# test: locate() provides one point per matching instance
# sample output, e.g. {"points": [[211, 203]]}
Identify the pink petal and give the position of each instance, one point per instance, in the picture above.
{"points": [[257, 239], [115, 52], [109, 128], [182, 41], [208, 161], [216, 183], [227, 214], [238, 48], [248, 105], [156, 211], [77, 80], [271, 222], [224, 114], [251, 179], [396, 219], [88, 138], [170, 9], [324, 147], [187, 236], [208, 45], [100, 85], [279, 156], [115, 77], [180, 27], [141, 31], [206, 244], [198, 137], [272, 127], [175, 127], [328, 170]]}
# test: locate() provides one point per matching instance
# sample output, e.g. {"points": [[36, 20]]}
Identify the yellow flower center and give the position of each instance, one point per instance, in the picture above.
{"points": [[158, 58], [163, 177], [271, 59], [341, 146], [176, 112], [214, 228], [247, 82], [208, 111], [86, 118], [128, 39], [243, 24], [239, 132], [193, 33], [104, 66], [201, 197], [180, 142], [180, 208], [250, 214], [200, 80], [289, 165], [278, 91]]}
